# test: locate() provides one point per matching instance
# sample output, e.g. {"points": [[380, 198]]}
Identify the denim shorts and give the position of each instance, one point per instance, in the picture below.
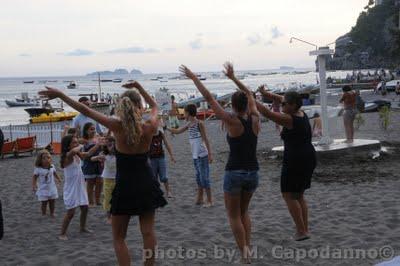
{"points": [[202, 169], [236, 181], [159, 167]]}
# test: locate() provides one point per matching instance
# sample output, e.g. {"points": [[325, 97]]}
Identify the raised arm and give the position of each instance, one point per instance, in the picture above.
{"points": [[230, 73], [109, 122], [281, 119], [270, 95], [215, 106]]}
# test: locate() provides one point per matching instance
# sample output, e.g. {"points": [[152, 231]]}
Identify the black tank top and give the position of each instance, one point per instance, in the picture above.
{"points": [[243, 149]]}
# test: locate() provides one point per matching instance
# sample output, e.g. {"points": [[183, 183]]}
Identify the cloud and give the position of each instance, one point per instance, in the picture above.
{"points": [[254, 39], [77, 52], [275, 33], [24, 55], [132, 50], [266, 39], [196, 44]]}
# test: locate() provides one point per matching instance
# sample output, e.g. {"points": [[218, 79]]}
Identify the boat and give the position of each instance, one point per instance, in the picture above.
{"points": [[20, 104], [202, 78], [71, 85], [117, 80], [390, 85], [53, 117], [29, 81], [46, 108], [205, 114], [106, 80], [195, 101], [24, 101], [376, 106]]}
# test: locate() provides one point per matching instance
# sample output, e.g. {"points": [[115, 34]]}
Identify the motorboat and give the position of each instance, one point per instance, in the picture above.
{"points": [[72, 85], [119, 80], [24, 101]]}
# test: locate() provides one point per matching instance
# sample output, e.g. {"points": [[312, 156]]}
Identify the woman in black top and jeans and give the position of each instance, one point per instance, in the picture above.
{"points": [[241, 172], [299, 158]]}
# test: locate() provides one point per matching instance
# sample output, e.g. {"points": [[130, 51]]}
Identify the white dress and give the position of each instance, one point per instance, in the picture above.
{"points": [[47, 188], [75, 193]]}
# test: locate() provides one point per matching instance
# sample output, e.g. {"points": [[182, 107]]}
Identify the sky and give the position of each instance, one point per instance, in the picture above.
{"points": [[71, 37]]}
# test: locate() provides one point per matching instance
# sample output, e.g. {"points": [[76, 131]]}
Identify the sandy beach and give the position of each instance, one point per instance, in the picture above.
{"points": [[354, 203]]}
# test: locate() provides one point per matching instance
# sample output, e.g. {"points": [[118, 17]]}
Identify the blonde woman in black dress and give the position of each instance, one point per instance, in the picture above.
{"points": [[137, 191]]}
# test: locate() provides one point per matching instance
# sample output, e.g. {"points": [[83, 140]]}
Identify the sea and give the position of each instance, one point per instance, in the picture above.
{"points": [[216, 82]]}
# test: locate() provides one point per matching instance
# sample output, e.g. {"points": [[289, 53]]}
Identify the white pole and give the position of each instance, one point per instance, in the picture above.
{"points": [[325, 140]]}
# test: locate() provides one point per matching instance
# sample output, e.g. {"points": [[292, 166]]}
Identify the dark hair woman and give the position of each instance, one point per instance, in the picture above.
{"points": [[136, 191], [241, 171], [299, 159]]}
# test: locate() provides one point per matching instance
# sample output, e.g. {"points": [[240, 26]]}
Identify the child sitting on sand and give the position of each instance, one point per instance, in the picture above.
{"points": [[201, 152], [44, 174], [109, 173], [317, 126], [75, 194]]}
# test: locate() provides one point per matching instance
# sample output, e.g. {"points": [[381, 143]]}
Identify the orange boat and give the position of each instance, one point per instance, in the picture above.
{"points": [[205, 114]]}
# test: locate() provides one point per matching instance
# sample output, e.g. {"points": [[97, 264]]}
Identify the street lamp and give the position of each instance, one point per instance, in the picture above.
{"points": [[321, 53]]}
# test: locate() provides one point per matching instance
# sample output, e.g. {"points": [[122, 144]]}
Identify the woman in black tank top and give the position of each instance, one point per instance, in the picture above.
{"points": [[299, 159], [241, 171]]}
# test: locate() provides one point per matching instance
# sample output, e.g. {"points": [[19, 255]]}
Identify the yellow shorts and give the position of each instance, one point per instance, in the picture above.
{"points": [[108, 187]]}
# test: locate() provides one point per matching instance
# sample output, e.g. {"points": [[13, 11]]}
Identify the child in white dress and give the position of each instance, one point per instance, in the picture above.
{"points": [[75, 193], [45, 174]]}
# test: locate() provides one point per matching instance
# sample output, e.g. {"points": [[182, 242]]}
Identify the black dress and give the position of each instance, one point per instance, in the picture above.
{"points": [[136, 191], [299, 158]]}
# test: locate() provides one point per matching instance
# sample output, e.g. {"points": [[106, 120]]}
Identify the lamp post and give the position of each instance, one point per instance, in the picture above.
{"points": [[321, 53]]}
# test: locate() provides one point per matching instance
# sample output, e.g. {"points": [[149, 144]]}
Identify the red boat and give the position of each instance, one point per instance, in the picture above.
{"points": [[205, 114]]}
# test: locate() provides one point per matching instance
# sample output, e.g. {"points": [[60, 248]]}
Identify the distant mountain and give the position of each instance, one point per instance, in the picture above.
{"points": [[119, 71], [136, 72], [286, 68]]}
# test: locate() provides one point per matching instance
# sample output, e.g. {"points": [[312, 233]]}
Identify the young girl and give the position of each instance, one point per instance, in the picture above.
{"points": [[75, 194], [317, 126], [45, 173], [201, 152], [157, 158], [136, 190], [109, 173], [91, 169]]}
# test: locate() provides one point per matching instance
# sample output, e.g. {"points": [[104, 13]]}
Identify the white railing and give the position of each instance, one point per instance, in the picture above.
{"points": [[45, 132]]}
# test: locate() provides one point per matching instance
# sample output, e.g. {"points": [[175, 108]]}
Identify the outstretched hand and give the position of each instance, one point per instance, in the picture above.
{"points": [[131, 85], [229, 72], [50, 93], [187, 72]]}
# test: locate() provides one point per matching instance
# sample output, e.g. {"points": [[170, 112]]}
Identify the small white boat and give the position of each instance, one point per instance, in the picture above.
{"points": [[24, 101]]}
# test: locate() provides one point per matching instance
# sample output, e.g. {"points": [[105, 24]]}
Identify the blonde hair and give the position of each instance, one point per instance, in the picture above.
{"points": [[39, 156], [128, 110]]}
